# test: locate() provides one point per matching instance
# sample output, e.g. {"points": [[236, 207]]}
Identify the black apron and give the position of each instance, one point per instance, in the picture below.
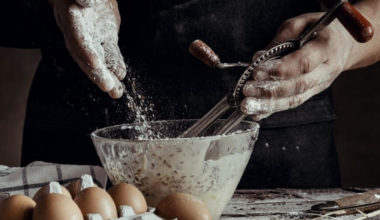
{"points": [[295, 148]]}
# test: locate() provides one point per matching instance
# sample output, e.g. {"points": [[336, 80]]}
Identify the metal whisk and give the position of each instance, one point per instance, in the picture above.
{"points": [[353, 21]]}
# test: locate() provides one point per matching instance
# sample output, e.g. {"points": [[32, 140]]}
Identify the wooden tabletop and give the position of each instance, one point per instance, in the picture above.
{"points": [[281, 203]]}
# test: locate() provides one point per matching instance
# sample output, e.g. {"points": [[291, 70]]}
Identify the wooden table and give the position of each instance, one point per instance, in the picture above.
{"points": [[281, 203]]}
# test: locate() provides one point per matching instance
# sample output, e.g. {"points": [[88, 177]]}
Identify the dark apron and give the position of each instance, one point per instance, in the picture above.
{"points": [[295, 148]]}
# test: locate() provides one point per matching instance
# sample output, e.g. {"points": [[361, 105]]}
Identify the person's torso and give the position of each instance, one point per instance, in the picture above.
{"points": [[154, 39]]}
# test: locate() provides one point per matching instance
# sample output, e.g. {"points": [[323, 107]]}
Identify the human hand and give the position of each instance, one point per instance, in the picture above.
{"points": [[90, 29], [286, 83]]}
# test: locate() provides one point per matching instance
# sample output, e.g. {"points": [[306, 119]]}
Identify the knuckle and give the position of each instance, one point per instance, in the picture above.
{"points": [[281, 70], [280, 91], [116, 92], [300, 86], [290, 26], [244, 107], [260, 76], [288, 23], [294, 101], [120, 72], [247, 88], [337, 69], [267, 89], [254, 106], [257, 55], [92, 63], [305, 64]]}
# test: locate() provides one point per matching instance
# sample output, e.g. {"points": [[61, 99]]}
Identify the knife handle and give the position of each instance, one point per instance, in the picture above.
{"points": [[355, 23]]}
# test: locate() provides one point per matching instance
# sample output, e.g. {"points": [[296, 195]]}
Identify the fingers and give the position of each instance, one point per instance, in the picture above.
{"points": [[293, 74], [301, 61], [260, 117], [257, 54], [114, 60], [115, 63], [280, 104], [89, 3], [266, 70], [117, 91], [261, 108], [92, 64], [283, 88], [94, 59], [281, 84]]}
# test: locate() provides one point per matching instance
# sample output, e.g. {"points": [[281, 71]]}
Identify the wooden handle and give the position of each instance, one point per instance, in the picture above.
{"points": [[355, 23], [204, 53]]}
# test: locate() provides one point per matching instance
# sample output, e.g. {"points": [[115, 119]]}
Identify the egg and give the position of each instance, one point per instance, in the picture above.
{"points": [[56, 206], [183, 207], [75, 186], [52, 187], [96, 200], [127, 194], [17, 207]]}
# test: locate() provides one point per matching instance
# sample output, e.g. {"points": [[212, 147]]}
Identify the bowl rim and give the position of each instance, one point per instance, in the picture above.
{"points": [[94, 134]]}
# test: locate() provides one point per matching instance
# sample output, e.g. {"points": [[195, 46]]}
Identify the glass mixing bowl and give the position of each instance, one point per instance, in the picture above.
{"points": [[208, 167]]}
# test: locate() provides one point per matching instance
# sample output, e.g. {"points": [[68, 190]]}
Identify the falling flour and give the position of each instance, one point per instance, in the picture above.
{"points": [[96, 28], [141, 108]]}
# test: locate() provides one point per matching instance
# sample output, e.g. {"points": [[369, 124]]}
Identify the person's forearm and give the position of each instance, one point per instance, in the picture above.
{"points": [[368, 53]]}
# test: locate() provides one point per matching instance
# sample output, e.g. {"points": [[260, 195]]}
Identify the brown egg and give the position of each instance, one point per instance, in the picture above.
{"points": [[80, 184], [96, 200], [74, 188], [17, 207], [46, 190], [56, 207], [183, 207], [127, 194]]}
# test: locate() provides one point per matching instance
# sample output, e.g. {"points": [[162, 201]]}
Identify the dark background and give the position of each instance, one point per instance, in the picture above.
{"points": [[356, 99]]}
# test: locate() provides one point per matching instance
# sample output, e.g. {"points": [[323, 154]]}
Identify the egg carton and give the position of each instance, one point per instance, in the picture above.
{"points": [[127, 213], [4, 196]]}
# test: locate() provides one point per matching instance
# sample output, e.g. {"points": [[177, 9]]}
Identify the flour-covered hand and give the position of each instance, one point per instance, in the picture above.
{"points": [[90, 29], [285, 83]]}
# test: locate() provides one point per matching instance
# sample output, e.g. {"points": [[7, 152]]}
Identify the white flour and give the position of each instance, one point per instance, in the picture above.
{"points": [[136, 103], [89, 3], [255, 106], [96, 28], [259, 87], [159, 168]]}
